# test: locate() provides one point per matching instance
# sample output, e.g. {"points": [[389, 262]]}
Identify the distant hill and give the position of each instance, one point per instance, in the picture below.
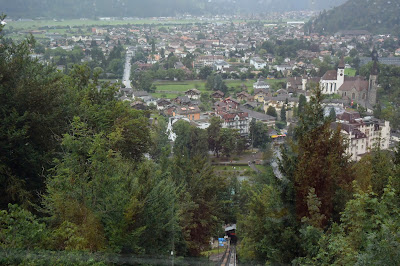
{"points": [[98, 8], [378, 16], [257, 6], [150, 8]]}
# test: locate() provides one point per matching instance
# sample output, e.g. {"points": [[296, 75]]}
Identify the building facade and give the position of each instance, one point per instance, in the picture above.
{"points": [[363, 134], [236, 120]]}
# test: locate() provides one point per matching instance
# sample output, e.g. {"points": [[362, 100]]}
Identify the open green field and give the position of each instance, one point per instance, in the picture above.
{"points": [[181, 86], [350, 72], [166, 95], [274, 81], [172, 89], [238, 83], [91, 22]]}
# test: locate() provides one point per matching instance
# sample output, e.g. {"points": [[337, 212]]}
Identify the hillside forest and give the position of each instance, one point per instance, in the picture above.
{"points": [[87, 180]]}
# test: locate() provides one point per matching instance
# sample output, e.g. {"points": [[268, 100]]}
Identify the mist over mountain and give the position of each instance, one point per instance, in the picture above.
{"points": [[378, 16], [150, 8], [257, 6]]}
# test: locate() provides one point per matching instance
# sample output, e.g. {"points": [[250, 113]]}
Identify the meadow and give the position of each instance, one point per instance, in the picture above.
{"points": [[173, 89]]}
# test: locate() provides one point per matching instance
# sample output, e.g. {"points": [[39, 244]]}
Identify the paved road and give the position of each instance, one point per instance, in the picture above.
{"points": [[127, 70], [252, 166]]}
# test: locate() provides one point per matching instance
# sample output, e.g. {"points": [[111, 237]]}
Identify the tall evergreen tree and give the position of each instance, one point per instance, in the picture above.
{"points": [[283, 113]]}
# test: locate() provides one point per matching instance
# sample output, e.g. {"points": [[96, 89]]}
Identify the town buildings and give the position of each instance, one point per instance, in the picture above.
{"points": [[363, 134]]}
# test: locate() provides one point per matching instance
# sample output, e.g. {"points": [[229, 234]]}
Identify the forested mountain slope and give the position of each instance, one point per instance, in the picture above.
{"points": [[379, 16]]}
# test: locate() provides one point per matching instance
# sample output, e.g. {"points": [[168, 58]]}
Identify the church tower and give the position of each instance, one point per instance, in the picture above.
{"points": [[340, 74], [372, 87], [373, 77], [304, 80]]}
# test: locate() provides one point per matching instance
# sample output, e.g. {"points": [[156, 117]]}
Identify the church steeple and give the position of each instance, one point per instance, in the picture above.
{"points": [[304, 80], [340, 73], [341, 63], [374, 56], [373, 77]]}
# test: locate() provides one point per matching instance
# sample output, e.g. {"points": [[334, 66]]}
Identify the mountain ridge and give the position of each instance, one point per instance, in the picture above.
{"points": [[378, 17], [151, 8]]}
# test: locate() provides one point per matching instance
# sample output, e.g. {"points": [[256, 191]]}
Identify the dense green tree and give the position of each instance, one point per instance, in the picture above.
{"points": [[272, 111], [332, 114], [20, 229], [259, 134], [227, 139], [200, 202], [215, 82], [33, 112], [283, 113], [367, 233], [143, 81], [265, 234], [302, 103], [190, 140], [313, 149], [213, 132], [205, 72]]}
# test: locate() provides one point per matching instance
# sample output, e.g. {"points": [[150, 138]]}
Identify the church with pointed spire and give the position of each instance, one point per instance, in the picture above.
{"points": [[355, 89], [361, 90]]}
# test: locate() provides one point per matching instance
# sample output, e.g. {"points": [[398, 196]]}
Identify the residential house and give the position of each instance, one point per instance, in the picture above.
{"points": [[363, 134], [179, 65], [260, 94], [221, 66], [236, 120], [182, 100], [226, 105], [217, 95], [261, 117], [261, 84], [296, 83], [162, 104], [250, 105], [144, 95], [138, 105], [283, 68], [192, 113], [258, 63], [193, 94], [244, 96]]}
